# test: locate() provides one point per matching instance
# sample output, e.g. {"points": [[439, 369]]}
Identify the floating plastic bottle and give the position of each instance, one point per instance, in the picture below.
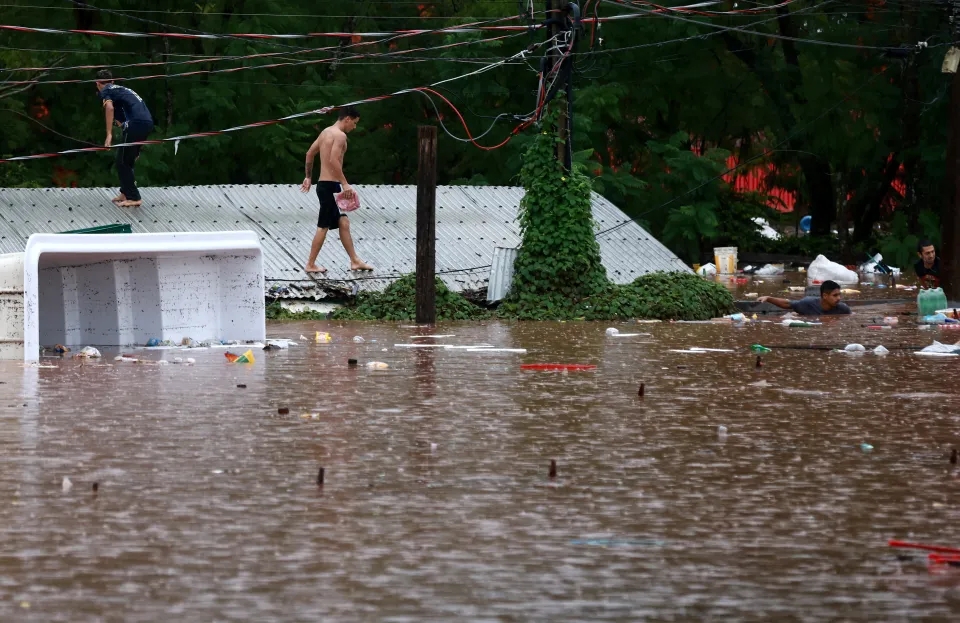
{"points": [[759, 348], [930, 300]]}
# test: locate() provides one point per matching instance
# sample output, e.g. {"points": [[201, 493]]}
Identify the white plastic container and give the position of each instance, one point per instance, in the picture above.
{"points": [[11, 306], [725, 259]]}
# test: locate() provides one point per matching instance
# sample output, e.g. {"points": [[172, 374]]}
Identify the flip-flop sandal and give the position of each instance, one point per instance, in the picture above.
{"points": [[322, 271], [130, 204]]}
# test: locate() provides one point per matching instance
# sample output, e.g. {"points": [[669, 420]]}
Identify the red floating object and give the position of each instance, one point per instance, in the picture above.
{"points": [[557, 366], [930, 548]]}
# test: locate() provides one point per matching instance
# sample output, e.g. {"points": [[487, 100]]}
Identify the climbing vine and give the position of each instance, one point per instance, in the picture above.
{"points": [[558, 274], [558, 263]]}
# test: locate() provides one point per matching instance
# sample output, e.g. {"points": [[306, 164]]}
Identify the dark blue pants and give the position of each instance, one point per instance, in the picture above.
{"points": [[127, 157]]}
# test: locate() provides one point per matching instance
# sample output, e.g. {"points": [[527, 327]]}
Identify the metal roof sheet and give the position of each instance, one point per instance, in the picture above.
{"points": [[471, 222]]}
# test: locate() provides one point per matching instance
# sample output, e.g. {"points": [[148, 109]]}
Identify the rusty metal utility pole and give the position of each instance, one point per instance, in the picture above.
{"points": [[426, 225]]}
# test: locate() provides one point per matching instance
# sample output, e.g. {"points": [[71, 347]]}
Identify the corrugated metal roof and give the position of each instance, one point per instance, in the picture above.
{"points": [[471, 222]]}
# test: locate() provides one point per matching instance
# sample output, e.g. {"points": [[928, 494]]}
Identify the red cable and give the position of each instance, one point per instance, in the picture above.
{"points": [[513, 132]]}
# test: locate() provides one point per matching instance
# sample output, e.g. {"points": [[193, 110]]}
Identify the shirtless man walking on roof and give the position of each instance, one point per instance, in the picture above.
{"points": [[332, 145]]}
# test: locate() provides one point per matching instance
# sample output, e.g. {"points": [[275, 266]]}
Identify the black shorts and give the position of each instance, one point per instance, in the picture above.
{"points": [[329, 210]]}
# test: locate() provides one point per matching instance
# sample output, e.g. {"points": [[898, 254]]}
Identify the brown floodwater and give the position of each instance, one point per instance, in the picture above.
{"points": [[437, 503]]}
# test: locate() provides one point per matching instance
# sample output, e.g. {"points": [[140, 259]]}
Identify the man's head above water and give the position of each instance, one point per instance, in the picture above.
{"points": [[829, 294], [927, 252]]}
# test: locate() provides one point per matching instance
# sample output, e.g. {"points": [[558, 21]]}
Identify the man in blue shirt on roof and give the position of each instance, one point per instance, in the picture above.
{"points": [[124, 108]]}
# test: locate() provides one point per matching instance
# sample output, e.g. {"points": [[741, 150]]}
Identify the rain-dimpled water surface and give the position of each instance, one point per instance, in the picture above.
{"points": [[437, 504]]}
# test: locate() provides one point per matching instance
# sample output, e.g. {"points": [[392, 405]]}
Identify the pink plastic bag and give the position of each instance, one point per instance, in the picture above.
{"points": [[347, 205]]}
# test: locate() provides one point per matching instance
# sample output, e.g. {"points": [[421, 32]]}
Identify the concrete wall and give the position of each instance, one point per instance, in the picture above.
{"points": [[11, 306]]}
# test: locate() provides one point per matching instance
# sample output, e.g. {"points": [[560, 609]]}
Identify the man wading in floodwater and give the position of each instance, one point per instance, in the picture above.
{"points": [[827, 304], [332, 145]]}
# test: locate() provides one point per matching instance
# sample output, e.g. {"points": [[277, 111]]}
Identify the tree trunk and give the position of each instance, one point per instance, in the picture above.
{"points": [[950, 227], [867, 208]]}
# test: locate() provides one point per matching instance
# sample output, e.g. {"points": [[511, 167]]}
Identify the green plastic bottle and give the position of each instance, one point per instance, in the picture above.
{"points": [[930, 300]]}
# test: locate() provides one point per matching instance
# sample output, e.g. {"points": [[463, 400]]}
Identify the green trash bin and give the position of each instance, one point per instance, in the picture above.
{"points": [[113, 228]]}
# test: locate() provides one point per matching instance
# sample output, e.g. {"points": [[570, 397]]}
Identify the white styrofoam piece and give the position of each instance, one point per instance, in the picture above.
{"points": [[497, 350], [467, 346], [122, 289], [701, 350], [929, 354]]}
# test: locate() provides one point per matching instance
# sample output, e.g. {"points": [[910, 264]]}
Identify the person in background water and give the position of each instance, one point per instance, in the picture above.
{"points": [[928, 266], [125, 109], [827, 304]]}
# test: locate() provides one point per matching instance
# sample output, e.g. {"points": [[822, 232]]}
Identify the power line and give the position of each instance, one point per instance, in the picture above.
{"points": [[275, 15], [45, 127], [757, 33], [259, 124], [98, 52], [696, 37], [263, 36], [215, 59], [81, 4], [265, 66]]}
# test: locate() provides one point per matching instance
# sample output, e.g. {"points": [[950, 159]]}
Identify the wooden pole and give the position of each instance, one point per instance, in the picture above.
{"points": [[426, 225]]}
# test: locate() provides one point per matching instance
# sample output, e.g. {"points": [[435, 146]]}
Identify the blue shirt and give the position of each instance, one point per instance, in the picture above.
{"points": [[127, 105], [810, 306]]}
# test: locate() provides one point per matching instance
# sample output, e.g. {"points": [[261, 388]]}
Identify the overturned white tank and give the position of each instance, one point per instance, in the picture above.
{"points": [[122, 289]]}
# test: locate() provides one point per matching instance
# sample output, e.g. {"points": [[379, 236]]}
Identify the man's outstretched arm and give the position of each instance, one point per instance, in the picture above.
{"points": [[781, 303]]}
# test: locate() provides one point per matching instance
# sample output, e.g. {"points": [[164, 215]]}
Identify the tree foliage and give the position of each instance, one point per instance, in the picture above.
{"points": [[855, 131]]}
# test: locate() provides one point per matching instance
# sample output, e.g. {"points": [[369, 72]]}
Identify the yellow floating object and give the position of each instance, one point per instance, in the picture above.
{"points": [[246, 357], [322, 338], [849, 291]]}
